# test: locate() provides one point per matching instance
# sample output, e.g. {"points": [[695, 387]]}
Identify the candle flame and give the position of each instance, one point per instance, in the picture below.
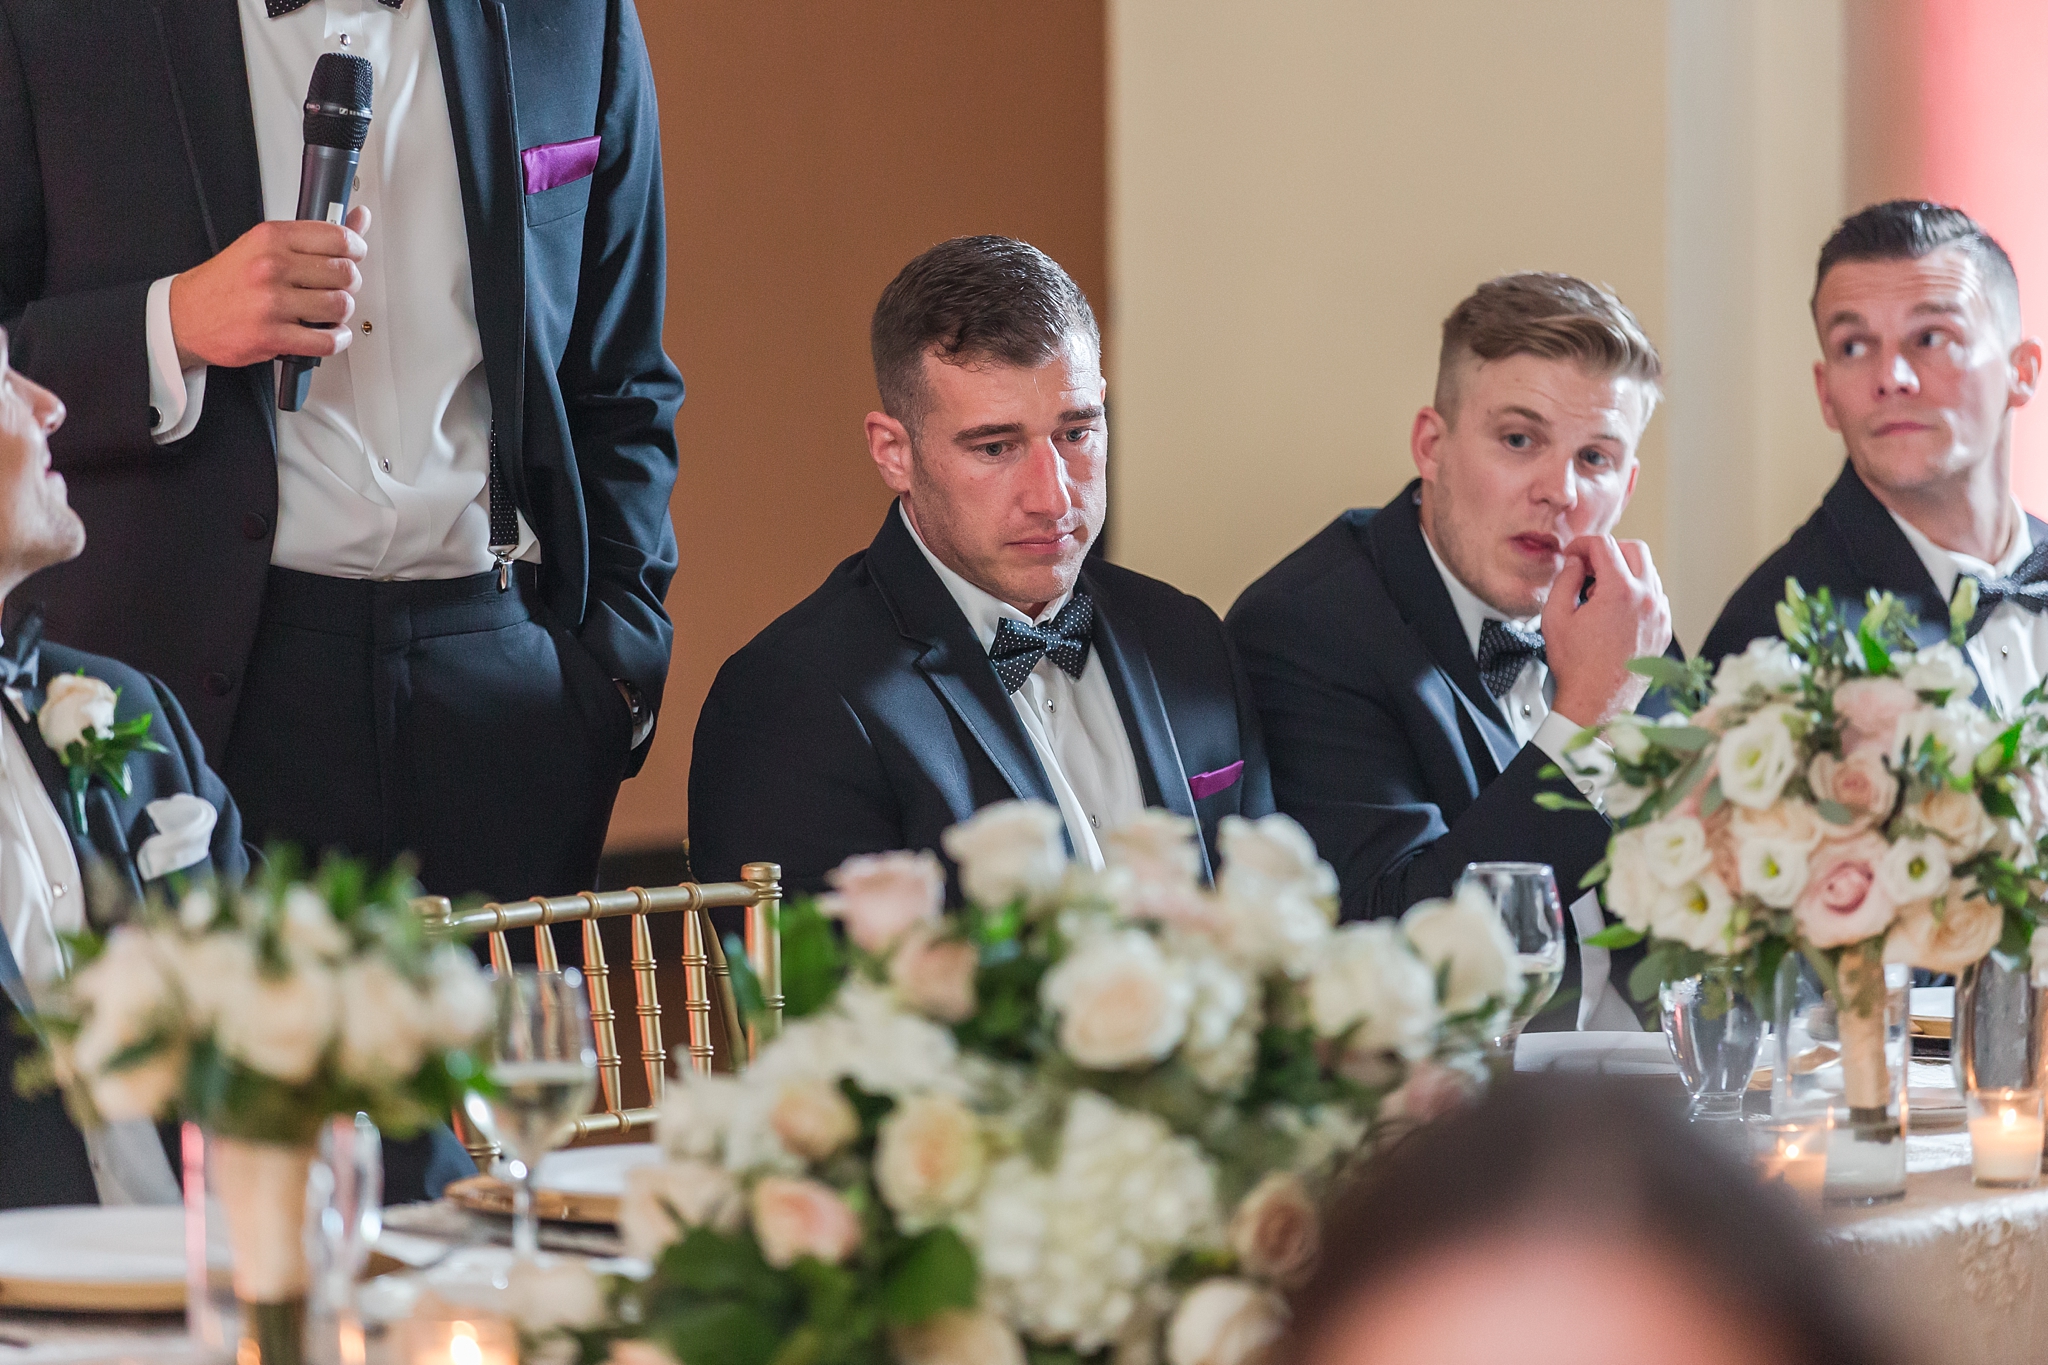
{"points": [[2009, 1117], [1792, 1152], [462, 1347]]}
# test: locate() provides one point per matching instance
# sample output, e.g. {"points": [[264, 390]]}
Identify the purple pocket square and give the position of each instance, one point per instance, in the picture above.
{"points": [[559, 163], [1208, 784]]}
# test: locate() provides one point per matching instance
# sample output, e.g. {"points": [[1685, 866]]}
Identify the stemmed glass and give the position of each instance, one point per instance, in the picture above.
{"points": [[542, 1073], [1524, 895]]}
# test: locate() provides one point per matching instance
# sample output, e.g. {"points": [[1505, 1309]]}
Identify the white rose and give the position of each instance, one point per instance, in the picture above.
{"points": [[1466, 936], [1698, 914], [881, 896], [1674, 849], [694, 1112], [1626, 735], [1120, 1003], [211, 971], [1225, 1322], [144, 1090], [1938, 668], [798, 1218], [957, 1338], [126, 996], [1366, 977], [554, 1292], [1631, 889], [280, 1025], [384, 1022], [1914, 869], [1275, 1230], [1957, 726], [1767, 664], [929, 1158], [1009, 851], [1222, 1040], [1269, 855], [1622, 799], [1949, 936], [72, 705], [813, 1119], [1757, 758], [1773, 869], [461, 1005], [664, 1200], [198, 909], [308, 927], [1155, 846]]}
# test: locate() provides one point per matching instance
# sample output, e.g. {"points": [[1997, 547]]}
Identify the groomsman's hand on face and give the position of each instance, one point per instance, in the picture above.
{"points": [[1588, 644], [252, 302], [37, 526]]}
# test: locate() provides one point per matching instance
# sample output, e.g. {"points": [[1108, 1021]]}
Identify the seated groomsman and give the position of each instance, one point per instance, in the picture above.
{"points": [[1922, 363], [1418, 665], [176, 818], [973, 652]]}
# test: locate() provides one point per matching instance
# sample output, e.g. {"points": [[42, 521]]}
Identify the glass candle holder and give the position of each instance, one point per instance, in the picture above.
{"points": [[1793, 1151], [2005, 1137], [478, 1340]]}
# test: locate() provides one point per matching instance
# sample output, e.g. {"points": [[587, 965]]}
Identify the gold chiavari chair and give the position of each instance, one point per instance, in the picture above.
{"points": [[710, 1009]]}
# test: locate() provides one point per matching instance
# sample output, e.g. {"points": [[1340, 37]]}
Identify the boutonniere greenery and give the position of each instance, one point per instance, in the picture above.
{"points": [[77, 721]]}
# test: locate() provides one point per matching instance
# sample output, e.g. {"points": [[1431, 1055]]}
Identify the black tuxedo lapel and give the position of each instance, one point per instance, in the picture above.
{"points": [[476, 67], [1394, 540], [1136, 688], [953, 659], [202, 44]]}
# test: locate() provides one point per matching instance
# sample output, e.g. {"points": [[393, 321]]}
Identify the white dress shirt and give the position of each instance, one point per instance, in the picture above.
{"points": [[1074, 723], [383, 473], [1526, 707], [41, 897], [2008, 651]]}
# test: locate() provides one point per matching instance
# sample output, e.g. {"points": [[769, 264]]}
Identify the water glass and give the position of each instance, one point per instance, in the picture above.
{"points": [[1715, 1032], [541, 1077], [1525, 897], [344, 1214]]}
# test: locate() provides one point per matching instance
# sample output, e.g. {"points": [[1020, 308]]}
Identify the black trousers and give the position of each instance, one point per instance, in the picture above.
{"points": [[441, 718]]}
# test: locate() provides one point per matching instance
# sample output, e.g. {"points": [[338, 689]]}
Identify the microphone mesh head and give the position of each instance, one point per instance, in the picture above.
{"points": [[338, 102]]}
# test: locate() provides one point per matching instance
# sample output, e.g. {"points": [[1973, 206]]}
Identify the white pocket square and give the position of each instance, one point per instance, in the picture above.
{"points": [[184, 835]]}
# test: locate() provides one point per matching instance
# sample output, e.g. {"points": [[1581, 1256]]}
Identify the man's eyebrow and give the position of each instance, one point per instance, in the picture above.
{"points": [[1947, 308], [1517, 410], [976, 435], [1843, 317], [1087, 414]]}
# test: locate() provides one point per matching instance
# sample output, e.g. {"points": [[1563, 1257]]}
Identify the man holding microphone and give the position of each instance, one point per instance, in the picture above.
{"points": [[423, 612]]}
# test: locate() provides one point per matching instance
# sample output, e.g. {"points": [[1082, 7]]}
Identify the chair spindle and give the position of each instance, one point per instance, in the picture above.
{"points": [[697, 991], [764, 949], [647, 1004], [603, 1019]]}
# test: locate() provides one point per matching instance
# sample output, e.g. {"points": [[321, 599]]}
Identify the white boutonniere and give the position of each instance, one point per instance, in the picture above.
{"points": [[77, 721]]}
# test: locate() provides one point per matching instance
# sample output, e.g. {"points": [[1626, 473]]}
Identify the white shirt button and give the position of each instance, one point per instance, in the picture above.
{"points": [[1525, 711], [2005, 651]]}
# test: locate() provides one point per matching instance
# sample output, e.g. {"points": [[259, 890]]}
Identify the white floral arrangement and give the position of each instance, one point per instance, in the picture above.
{"points": [[261, 1010], [1835, 792], [1091, 1112]]}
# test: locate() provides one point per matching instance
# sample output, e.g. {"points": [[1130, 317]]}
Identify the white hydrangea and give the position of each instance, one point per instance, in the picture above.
{"points": [[1222, 1041], [1068, 1254], [1277, 899]]}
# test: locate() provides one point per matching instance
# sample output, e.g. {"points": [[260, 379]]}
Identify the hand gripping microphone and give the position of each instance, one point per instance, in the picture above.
{"points": [[337, 121]]}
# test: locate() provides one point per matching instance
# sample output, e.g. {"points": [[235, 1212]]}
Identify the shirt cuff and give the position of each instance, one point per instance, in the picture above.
{"points": [[175, 394], [1554, 737]]}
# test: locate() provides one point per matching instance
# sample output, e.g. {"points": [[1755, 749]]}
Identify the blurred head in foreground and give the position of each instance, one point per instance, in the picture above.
{"points": [[1567, 1220]]}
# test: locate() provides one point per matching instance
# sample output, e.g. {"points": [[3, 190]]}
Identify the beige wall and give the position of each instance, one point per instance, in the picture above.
{"points": [[1300, 191]]}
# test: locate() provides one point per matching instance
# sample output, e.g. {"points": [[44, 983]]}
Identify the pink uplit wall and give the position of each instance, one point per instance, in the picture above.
{"points": [[1948, 100]]}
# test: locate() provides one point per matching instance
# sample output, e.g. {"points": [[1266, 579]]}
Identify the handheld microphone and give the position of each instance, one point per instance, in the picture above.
{"points": [[337, 121]]}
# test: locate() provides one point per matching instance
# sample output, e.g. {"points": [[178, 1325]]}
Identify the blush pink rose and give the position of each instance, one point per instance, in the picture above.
{"points": [[1870, 709], [935, 975], [1860, 782], [798, 1218], [1842, 902], [882, 896]]}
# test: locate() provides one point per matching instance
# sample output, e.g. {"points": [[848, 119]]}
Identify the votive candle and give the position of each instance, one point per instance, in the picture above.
{"points": [[481, 1340], [2005, 1137], [1794, 1152]]}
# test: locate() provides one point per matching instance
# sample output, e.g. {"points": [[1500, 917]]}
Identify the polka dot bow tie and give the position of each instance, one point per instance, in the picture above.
{"points": [[1503, 649], [280, 7], [2026, 586], [1064, 640]]}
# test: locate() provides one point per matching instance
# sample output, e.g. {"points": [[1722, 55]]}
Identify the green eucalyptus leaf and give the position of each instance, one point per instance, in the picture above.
{"points": [[936, 1272], [1615, 936]]}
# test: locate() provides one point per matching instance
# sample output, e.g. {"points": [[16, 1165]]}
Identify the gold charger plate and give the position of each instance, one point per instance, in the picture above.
{"points": [[119, 1259], [1932, 1025], [488, 1194]]}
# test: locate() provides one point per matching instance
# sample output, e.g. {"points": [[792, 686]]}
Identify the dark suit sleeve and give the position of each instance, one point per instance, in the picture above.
{"points": [[90, 349], [619, 387], [1348, 762], [174, 732], [1256, 797], [783, 771]]}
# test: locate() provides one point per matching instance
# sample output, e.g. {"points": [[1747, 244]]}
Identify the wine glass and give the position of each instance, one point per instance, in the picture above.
{"points": [[1524, 895], [542, 1073]]}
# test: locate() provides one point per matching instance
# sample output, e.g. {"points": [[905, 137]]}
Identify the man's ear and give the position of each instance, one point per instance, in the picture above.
{"points": [[889, 446], [1820, 391], [1429, 429], [2026, 372]]}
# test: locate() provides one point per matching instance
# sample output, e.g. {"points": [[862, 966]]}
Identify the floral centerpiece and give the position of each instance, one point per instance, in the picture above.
{"points": [[1835, 793], [1092, 1112], [259, 1012]]}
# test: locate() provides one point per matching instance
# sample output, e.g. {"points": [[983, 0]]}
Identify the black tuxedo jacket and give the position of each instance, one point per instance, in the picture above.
{"points": [[42, 1156], [1849, 545], [1385, 743], [868, 717], [128, 152]]}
